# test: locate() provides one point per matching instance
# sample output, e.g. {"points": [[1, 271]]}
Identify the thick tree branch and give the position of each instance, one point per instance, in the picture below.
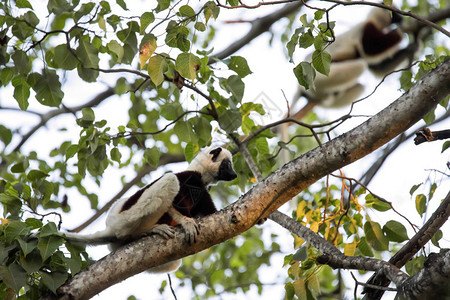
{"points": [[268, 195], [423, 236], [431, 282]]}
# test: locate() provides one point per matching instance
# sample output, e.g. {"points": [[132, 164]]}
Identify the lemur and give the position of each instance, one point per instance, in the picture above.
{"points": [[170, 200], [368, 45]]}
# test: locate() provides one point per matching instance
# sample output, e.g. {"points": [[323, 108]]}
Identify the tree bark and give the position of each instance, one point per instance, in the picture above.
{"points": [[268, 195]]}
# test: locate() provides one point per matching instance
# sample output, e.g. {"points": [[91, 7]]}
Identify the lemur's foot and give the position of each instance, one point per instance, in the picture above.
{"points": [[191, 228], [164, 230]]}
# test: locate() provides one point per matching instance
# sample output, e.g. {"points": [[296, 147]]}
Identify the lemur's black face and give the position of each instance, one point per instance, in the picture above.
{"points": [[226, 171]]}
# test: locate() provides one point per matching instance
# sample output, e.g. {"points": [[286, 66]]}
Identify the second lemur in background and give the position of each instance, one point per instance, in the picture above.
{"points": [[170, 200]]}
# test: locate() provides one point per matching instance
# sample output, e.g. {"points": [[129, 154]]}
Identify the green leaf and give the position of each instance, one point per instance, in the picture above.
{"points": [[415, 265], [445, 146], [53, 280], [186, 11], [162, 5], [375, 236], [189, 151], [14, 276], [14, 229], [32, 262], [239, 65], [200, 26], [5, 135], [47, 245], [436, 237], [64, 58], [152, 156], [48, 230], [421, 204], [414, 188], [395, 231], [146, 19], [157, 66], [184, 132], [23, 4], [117, 49], [21, 91], [318, 14], [34, 175], [321, 61], [433, 188], [429, 117], [88, 54], [84, 10], [20, 59], [377, 204], [306, 40], [48, 89], [202, 128], [115, 154], [291, 46], [211, 10], [301, 254], [27, 247], [187, 64], [171, 111], [305, 74], [88, 117], [230, 120], [86, 74], [236, 87], [19, 167], [122, 4]]}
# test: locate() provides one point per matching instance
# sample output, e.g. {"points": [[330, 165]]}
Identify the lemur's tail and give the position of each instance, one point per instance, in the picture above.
{"points": [[97, 238]]}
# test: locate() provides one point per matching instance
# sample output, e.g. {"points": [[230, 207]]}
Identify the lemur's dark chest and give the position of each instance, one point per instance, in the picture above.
{"points": [[193, 199], [192, 193]]}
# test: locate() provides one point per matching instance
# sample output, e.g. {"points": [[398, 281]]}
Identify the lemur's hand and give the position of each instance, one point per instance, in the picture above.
{"points": [[191, 228], [164, 230]]}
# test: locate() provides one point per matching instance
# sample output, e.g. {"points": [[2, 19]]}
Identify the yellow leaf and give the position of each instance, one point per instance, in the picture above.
{"points": [[299, 288], [314, 226], [349, 249], [294, 270], [147, 51], [298, 241], [4, 221], [157, 66], [301, 210], [313, 283]]}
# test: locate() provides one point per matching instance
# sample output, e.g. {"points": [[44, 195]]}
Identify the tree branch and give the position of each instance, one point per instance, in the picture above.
{"points": [[423, 236], [431, 282], [63, 110], [268, 195], [426, 135], [259, 26]]}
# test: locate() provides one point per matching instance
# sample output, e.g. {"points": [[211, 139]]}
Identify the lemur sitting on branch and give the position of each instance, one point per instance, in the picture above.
{"points": [[170, 200]]}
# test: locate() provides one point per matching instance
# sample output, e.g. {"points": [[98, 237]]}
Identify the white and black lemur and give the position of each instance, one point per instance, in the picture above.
{"points": [[168, 201], [370, 45]]}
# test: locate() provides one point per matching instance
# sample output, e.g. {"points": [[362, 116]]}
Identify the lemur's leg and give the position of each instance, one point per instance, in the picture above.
{"points": [[189, 225]]}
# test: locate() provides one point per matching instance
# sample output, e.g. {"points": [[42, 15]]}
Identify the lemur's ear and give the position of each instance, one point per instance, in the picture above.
{"points": [[215, 153]]}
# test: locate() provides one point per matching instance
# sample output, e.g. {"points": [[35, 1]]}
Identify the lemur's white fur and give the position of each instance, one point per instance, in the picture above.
{"points": [[203, 164], [156, 200], [350, 60]]}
